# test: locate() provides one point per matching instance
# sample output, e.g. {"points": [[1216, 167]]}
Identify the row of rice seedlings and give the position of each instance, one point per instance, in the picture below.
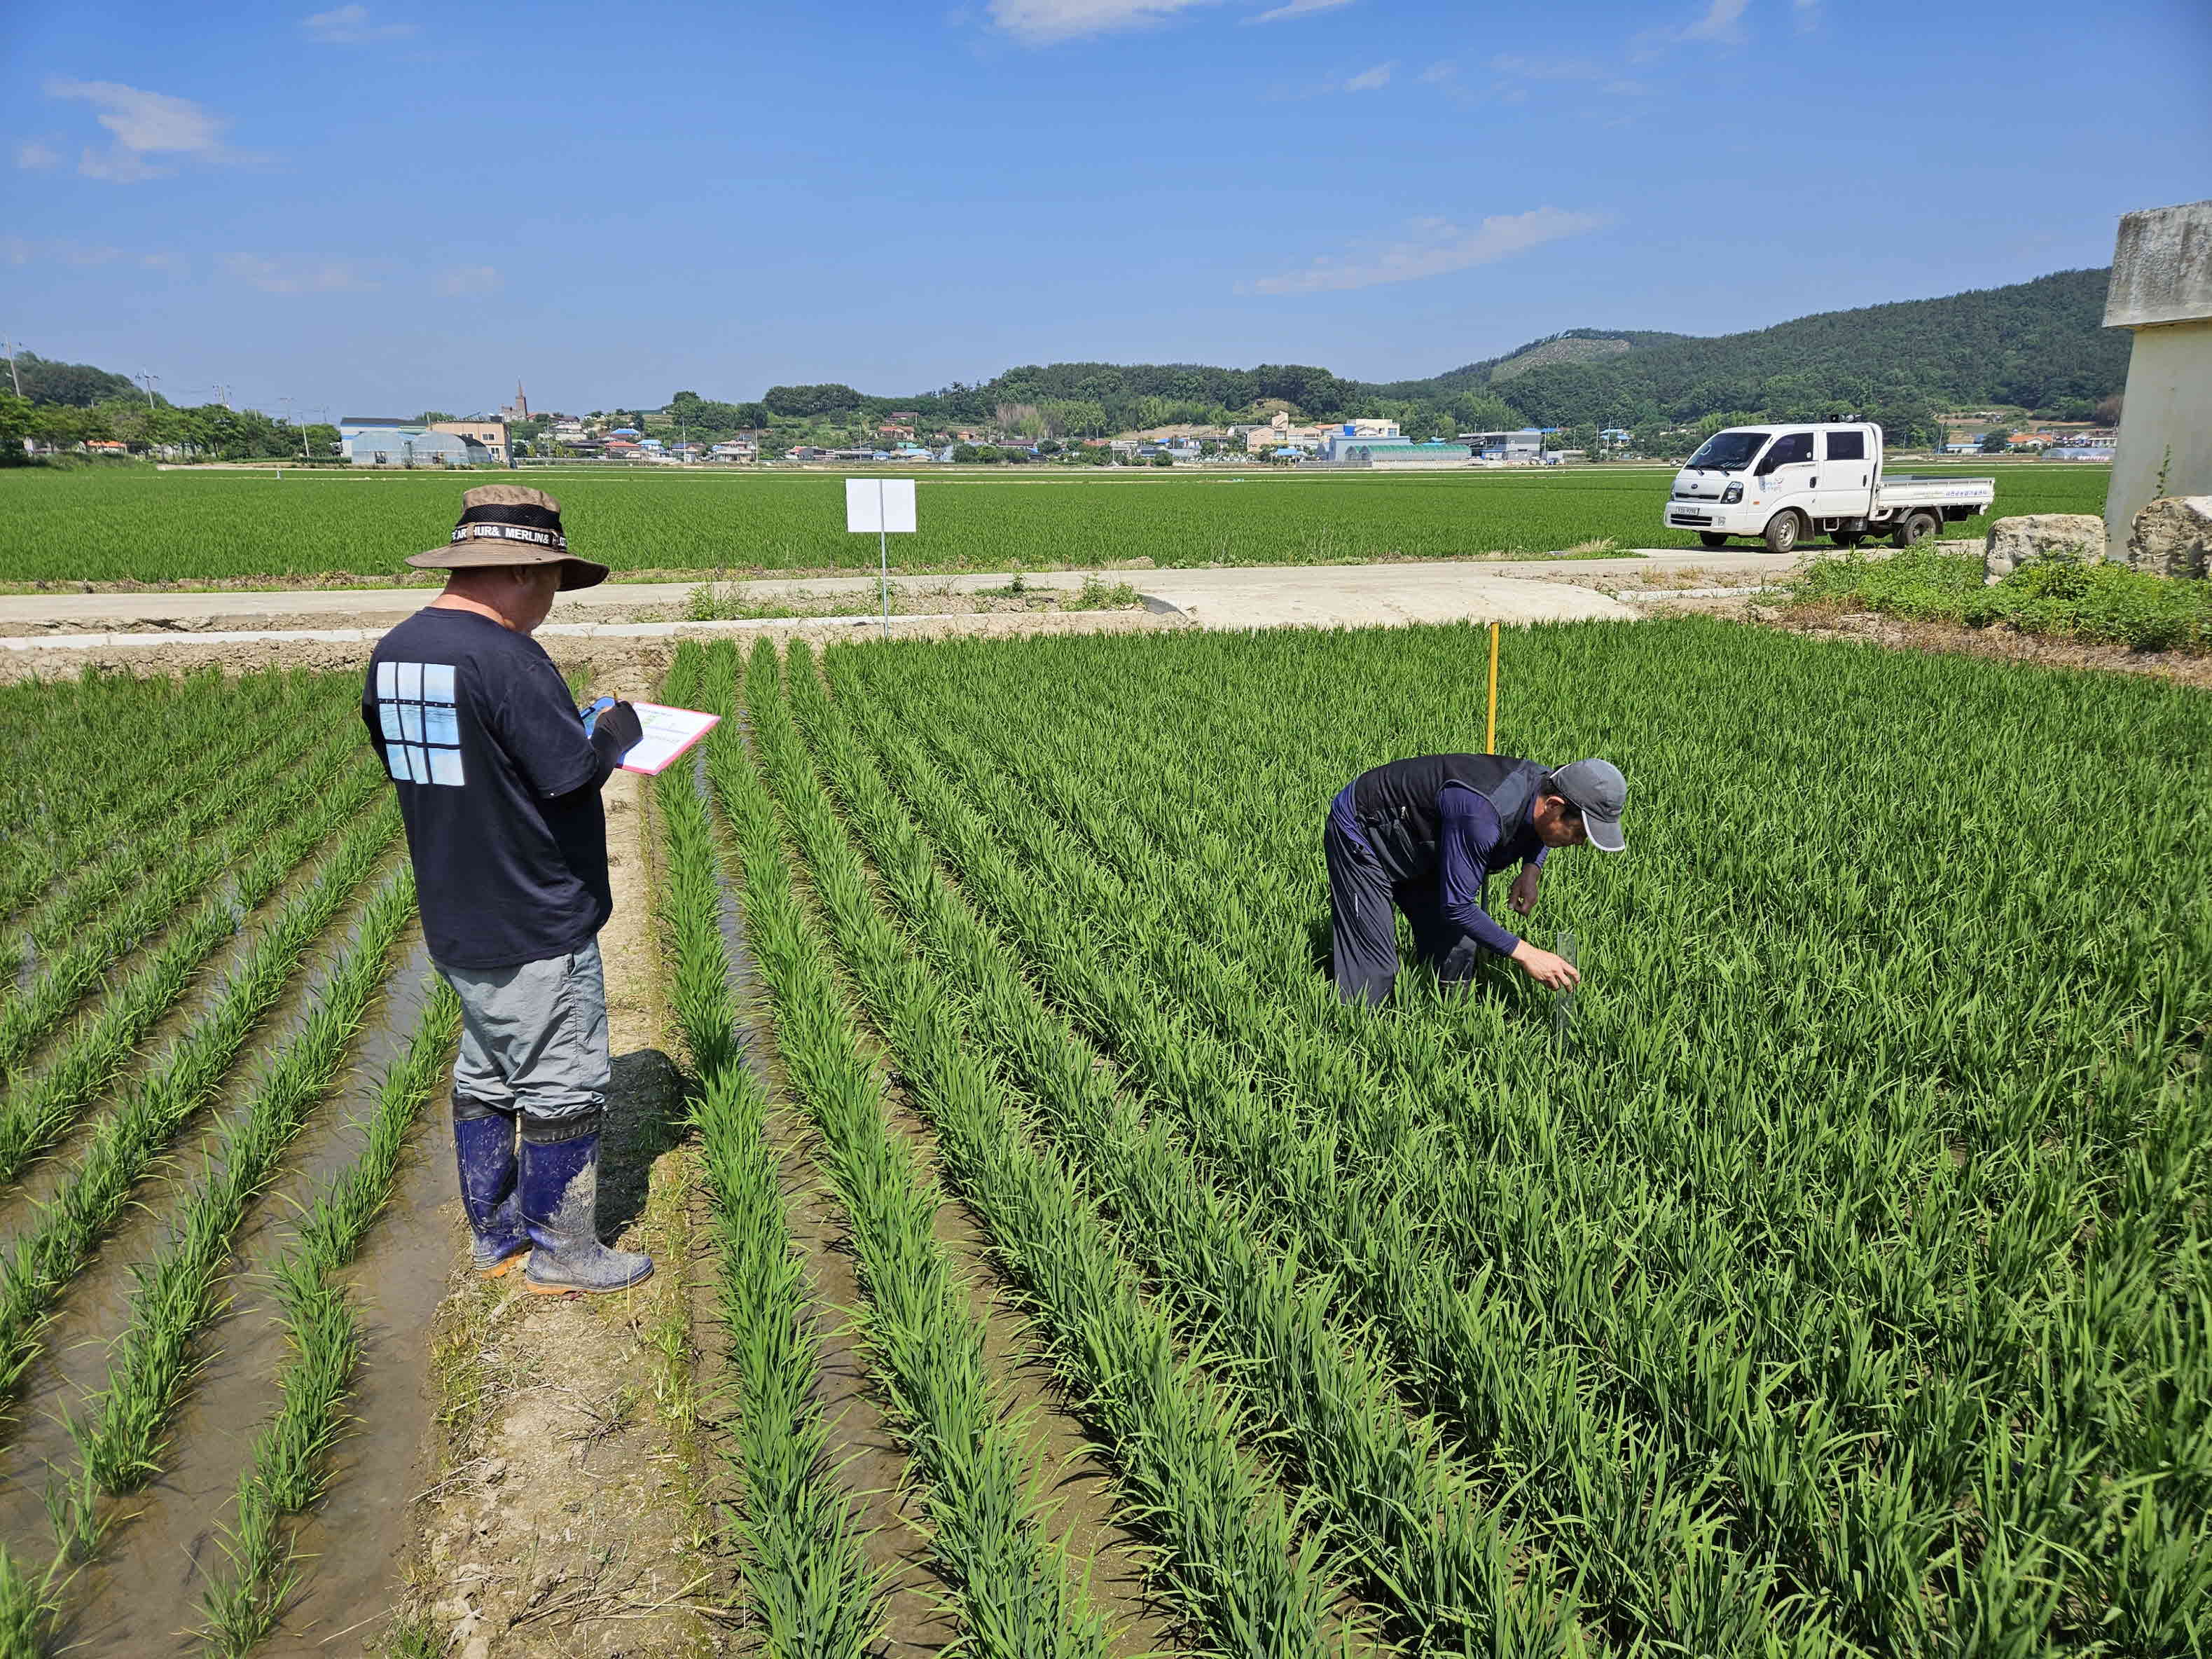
{"points": [[178, 865], [119, 1443], [178, 1291], [40, 1262], [797, 1530], [128, 779], [129, 729], [1016, 1591], [1401, 1512], [39, 1109], [205, 792], [1229, 1553], [289, 1469]]}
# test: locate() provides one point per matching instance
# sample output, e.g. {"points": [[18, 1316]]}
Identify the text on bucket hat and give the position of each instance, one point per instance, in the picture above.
{"points": [[510, 525]]}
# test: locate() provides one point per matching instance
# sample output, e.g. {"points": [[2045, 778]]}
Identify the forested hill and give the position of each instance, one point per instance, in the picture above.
{"points": [[2039, 345]]}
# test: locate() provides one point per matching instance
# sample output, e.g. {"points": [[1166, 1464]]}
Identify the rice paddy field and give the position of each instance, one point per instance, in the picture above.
{"points": [[1831, 1276], [136, 523]]}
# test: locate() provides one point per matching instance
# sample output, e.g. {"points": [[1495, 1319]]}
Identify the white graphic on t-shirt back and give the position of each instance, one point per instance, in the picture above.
{"points": [[421, 721]]}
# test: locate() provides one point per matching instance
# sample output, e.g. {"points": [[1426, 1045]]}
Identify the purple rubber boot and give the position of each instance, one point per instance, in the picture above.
{"points": [[561, 1206], [483, 1146]]}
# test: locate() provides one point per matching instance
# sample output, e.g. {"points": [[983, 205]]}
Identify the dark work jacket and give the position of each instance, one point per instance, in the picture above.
{"points": [[1396, 805]]}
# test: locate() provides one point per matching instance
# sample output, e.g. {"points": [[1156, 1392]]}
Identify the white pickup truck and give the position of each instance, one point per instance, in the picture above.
{"points": [[1782, 484]]}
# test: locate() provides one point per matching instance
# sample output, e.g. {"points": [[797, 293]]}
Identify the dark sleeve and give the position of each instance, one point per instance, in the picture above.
{"points": [[535, 722], [1467, 835]]}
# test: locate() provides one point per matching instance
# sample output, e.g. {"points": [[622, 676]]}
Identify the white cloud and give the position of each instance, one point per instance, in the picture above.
{"points": [[465, 280], [1296, 9], [21, 251], [1438, 75], [1527, 68], [1432, 248], [1372, 80], [144, 124], [351, 26], [32, 154], [1041, 22], [1723, 22], [296, 273]]}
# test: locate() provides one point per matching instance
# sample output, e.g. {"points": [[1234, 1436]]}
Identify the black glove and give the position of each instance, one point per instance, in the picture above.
{"points": [[617, 732]]}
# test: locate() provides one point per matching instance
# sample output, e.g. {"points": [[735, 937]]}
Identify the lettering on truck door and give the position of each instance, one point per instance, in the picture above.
{"points": [[1786, 472], [1845, 474]]}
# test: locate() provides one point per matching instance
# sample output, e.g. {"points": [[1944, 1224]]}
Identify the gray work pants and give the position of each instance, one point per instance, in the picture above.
{"points": [[534, 1037], [1364, 898]]}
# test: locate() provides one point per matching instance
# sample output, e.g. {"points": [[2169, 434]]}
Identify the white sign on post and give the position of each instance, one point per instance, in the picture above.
{"points": [[886, 507], [875, 506]]}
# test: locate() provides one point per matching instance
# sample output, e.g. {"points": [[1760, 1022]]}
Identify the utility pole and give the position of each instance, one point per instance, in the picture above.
{"points": [[149, 378], [13, 374]]}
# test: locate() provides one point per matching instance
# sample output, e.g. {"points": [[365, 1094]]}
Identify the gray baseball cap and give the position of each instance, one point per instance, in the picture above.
{"points": [[1598, 790]]}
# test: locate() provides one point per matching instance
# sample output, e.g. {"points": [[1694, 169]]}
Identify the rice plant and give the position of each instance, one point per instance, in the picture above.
{"points": [[1759, 1304], [796, 1527], [1227, 1535], [289, 1469], [1017, 1594], [39, 1262]]}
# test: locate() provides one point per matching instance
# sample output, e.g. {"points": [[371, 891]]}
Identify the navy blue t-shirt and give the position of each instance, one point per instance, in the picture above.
{"points": [[499, 787]]}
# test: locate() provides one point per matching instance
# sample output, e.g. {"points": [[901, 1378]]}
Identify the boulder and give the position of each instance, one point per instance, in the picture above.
{"points": [[2013, 542], [2174, 538]]}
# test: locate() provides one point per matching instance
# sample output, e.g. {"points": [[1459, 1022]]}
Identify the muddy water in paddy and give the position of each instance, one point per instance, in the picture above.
{"points": [[145, 1594], [95, 1307], [37, 1185]]}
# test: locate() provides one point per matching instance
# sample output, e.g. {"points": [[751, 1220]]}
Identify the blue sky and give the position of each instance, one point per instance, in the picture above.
{"points": [[372, 209]]}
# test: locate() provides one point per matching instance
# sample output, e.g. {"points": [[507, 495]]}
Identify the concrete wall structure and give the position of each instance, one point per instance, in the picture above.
{"points": [[2162, 290]]}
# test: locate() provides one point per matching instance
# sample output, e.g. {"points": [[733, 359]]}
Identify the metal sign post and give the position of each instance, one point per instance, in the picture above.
{"points": [[886, 507]]}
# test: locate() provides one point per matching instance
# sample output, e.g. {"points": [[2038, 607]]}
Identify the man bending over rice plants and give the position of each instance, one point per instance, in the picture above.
{"points": [[1425, 834]]}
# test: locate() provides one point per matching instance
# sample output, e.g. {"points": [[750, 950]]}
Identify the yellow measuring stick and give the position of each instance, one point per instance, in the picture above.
{"points": [[1490, 741]]}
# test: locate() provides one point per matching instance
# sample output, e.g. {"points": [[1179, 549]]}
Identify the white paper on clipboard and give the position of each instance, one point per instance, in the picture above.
{"points": [[668, 733]]}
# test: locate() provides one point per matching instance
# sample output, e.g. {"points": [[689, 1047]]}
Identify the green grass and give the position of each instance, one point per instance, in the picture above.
{"points": [[140, 525], [2103, 602]]}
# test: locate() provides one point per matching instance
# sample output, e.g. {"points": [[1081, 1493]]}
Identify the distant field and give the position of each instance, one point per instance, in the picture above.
{"points": [[144, 526]]}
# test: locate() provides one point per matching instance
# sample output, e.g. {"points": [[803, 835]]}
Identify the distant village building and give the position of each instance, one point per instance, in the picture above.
{"points": [[492, 434], [407, 444], [1279, 435], [1526, 444], [520, 409]]}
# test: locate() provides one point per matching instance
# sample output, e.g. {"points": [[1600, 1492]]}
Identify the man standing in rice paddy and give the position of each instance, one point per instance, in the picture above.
{"points": [[499, 780], [1425, 834]]}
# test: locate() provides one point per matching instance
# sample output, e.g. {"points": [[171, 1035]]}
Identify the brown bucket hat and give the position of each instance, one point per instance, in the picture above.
{"points": [[510, 525]]}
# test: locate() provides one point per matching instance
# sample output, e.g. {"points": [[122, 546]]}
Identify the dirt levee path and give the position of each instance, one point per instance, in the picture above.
{"points": [[561, 1517]]}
